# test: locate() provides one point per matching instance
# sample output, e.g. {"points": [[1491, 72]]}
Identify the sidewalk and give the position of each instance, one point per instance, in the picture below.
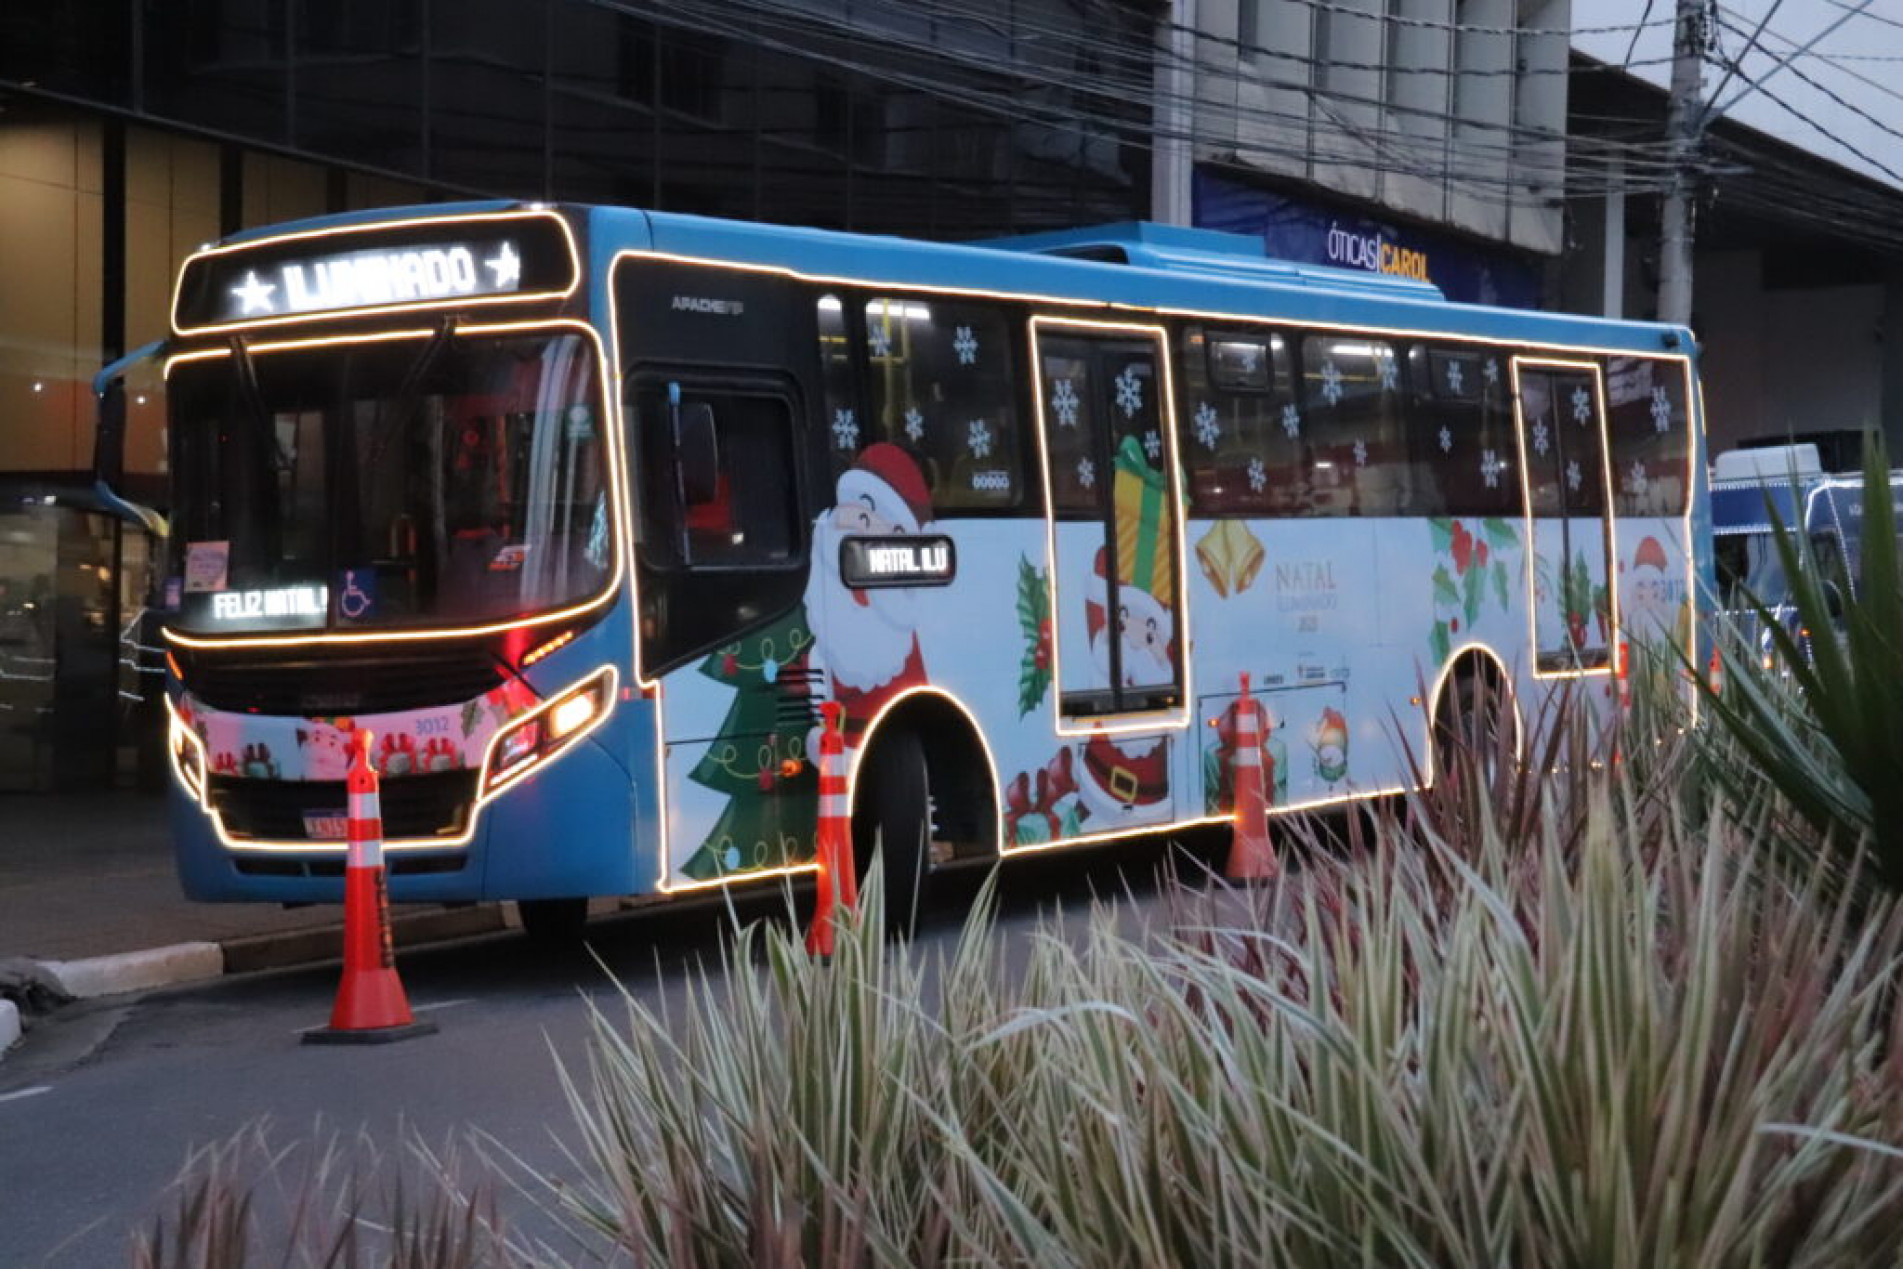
{"points": [[87, 891]]}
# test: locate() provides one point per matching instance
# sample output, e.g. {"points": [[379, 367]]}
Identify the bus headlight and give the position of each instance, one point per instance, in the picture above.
{"points": [[188, 755], [538, 736]]}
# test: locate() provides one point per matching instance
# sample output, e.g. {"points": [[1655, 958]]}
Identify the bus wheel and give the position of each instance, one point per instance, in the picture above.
{"points": [[1474, 728], [892, 813], [553, 923]]}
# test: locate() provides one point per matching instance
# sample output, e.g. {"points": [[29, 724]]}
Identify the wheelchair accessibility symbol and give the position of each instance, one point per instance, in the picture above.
{"points": [[357, 596]]}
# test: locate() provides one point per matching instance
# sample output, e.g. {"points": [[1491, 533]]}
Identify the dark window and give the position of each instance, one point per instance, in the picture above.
{"points": [[1070, 395], [1564, 475], [1238, 426], [1650, 431], [940, 385], [1352, 429], [1466, 457], [722, 534]]}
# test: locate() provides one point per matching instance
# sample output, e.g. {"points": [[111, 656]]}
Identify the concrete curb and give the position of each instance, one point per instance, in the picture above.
{"points": [[181, 963]]}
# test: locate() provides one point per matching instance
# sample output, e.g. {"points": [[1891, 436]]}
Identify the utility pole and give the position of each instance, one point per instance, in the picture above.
{"points": [[1682, 130]]}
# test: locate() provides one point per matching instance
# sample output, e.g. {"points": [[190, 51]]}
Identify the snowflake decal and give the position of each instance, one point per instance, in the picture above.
{"points": [[1636, 481], [1456, 377], [1573, 475], [1291, 421], [1208, 429], [1331, 382], [1086, 473], [1390, 375], [915, 425], [1540, 438], [1361, 453], [965, 344], [1153, 444], [1258, 475], [1064, 402], [1582, 405], [1446, 441], [845, 430], [1492, 372], [1661, 411], [1491, 468], [879, 340], [978, 438], [1129, 391]]}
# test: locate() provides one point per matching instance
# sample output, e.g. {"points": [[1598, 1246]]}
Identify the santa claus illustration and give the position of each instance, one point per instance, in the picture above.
{"points": [[1651, 597], [866, 639]]}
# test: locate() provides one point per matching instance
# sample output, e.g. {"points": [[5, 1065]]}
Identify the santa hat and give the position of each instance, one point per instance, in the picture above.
{"points": [[1649, 552], [886, 477]]}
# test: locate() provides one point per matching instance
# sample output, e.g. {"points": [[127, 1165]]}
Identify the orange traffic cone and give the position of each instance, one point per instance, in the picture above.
{"points": [[1251, 857], [371, 1006], [838, 884]]}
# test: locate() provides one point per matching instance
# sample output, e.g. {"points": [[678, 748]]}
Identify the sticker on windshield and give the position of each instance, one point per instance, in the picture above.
{"points": [[174, 593], [581, 424], [205, 566], [510, 558], [357, 594]]}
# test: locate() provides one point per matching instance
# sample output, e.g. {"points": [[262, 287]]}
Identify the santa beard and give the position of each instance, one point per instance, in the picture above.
{"points": [[1143, 666], [863, 644]]}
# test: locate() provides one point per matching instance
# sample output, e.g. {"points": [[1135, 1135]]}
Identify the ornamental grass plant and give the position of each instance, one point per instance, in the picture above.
{"points": [[1573, 1010], [1614, 1035]]}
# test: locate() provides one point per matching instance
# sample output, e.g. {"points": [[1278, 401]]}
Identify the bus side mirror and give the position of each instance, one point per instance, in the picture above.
{"points": [[698, 453], [109, 437]]}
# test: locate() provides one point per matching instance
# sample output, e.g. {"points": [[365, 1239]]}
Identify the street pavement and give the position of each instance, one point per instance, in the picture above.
{"points": [[100, 1105]]}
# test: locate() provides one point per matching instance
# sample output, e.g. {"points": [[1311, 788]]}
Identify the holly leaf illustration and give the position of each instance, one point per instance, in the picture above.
{"points": [[1500, 582], [1439, 643], [1473, 589], [1499, 533], [1445, 592], [1443, 530], [1032, 684]]}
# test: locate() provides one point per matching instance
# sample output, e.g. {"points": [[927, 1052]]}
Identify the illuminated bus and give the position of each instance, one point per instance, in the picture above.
{"points": [[584, 511]]}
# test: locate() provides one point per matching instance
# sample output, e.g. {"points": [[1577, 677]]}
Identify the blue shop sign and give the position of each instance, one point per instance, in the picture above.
{"points": [[1294, 230]]}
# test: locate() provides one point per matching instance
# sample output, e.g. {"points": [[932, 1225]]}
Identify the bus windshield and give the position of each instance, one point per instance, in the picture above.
{"points": [[405, 482]]}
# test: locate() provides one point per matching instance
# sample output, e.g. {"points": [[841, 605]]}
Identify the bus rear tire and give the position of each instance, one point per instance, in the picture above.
{"points": [[892, 814], [554, 924]]}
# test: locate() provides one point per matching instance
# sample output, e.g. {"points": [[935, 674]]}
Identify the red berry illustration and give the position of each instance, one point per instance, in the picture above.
{"points": [[1463, 547], [1480, 553]]}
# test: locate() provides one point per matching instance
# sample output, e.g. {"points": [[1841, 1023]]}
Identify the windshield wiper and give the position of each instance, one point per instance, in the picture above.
{"points": [[409, 393], [254, 399]]}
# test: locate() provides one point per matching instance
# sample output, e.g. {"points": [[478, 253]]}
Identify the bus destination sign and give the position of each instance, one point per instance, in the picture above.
{"points": [[369, 279], [424, 263], [868, 562]]}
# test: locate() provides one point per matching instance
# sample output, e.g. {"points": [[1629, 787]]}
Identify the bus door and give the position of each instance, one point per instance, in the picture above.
{"points": [[1116, 560], [1561, 415]]}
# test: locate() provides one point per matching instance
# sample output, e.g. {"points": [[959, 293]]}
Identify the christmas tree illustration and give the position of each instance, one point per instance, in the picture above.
{"points": [[769, 817]]}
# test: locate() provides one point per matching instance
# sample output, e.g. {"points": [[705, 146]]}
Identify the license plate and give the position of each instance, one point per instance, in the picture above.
{"points": [[326, 826]]}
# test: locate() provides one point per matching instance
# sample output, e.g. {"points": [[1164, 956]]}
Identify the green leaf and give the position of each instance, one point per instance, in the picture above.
{"points": [[1445, 592], [1473, 590], [1443, 530], [1499, 572], [1500, 534], [1438, 641]]}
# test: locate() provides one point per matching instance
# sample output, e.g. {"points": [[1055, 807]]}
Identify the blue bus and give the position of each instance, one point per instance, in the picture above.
{"points": [[584, 511]]}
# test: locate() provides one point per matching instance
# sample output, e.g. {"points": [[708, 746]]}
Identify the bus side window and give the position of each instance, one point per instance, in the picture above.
{"points": [[1460, 428], [1234, 427], [1649, 429], [1353, 426], [721, 533]]}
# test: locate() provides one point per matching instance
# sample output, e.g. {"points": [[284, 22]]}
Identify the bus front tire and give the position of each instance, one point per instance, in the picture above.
{"points": [[555, 924], [892, 813]]}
